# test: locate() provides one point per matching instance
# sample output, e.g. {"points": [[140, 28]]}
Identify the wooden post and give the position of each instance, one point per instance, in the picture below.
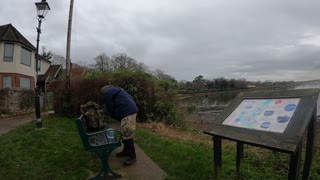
{"points": [[295, 159], [310, 146], [239, 156], [217, 157], [68, 60]]}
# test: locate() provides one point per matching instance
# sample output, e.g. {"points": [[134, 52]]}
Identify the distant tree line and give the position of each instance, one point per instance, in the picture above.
{"points": [[200, 83], [120, 61], [221, 83]]}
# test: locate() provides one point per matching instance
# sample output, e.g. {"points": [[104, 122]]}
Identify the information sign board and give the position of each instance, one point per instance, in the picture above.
{"points": [[271, 115], [275, 120]]}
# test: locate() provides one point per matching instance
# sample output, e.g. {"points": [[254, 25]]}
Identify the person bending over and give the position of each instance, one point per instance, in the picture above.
{"points": [[121, 106]]}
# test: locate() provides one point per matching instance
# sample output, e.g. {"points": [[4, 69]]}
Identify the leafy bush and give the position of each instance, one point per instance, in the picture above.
{"points": [[155, 98], [191, 108]]}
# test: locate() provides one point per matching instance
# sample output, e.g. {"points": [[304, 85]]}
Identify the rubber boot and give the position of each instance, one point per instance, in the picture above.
{"points": [[124, 152], [132, 153]]}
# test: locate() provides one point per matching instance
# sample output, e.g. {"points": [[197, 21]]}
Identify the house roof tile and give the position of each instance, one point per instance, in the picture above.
{"points": [[53, 71], [43, 78], [77, 72], [10, 34]]}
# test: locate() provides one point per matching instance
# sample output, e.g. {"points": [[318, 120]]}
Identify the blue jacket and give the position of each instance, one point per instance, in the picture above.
{"points": [[119, 103]]}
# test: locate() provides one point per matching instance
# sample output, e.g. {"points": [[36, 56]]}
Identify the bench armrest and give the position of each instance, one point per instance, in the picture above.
{"points": [[103, 138], [103, 131]]}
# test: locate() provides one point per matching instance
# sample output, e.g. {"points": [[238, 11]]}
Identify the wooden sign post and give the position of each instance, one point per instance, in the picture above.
{"points": [[275, 120]]}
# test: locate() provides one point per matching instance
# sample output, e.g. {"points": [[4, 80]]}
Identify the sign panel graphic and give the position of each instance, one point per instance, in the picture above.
{"points": [[263, 114]]}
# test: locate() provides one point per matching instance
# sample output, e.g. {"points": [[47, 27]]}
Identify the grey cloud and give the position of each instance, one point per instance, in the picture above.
{"points": [[258, 40]]}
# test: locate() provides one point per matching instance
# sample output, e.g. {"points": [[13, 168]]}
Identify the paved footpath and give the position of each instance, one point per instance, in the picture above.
{"points": [[143, 169], [7, 124]]}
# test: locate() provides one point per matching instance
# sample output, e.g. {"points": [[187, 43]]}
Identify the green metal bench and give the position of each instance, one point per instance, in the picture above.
{"points": [[102, 144]]}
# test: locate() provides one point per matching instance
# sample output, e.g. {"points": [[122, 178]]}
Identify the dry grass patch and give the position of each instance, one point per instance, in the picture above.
{"points": [[191, 134]]}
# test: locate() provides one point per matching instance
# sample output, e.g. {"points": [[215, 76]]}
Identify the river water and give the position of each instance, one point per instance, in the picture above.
{"points": [[309, 86], [210, 104]]}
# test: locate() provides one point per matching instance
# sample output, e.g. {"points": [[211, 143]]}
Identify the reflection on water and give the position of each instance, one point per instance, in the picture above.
{"points": [[310, 86], [222, 99], [208, 99], [210, 104]]}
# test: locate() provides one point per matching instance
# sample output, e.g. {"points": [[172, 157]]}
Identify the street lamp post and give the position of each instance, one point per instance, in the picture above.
{"points": [[42, 10]]}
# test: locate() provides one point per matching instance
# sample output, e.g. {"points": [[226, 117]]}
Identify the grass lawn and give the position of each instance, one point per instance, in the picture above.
{"points": [[55, 152]]}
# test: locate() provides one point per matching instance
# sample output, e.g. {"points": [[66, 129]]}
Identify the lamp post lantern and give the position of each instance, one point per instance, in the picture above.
{"points": [[42, 10]]}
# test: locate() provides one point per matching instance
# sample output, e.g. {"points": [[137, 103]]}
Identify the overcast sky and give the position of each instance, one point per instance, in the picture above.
{"points": [[252, 39]]}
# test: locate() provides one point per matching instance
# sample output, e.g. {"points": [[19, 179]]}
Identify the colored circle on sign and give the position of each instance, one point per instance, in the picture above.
{"points": [[237, 120], [268, 113], [266, 102], [278, 101], [283, 119], [290, 107], [265, 125]]}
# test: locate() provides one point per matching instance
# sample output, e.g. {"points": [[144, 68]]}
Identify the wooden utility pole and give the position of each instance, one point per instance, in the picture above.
{"points": [[68, 60]]}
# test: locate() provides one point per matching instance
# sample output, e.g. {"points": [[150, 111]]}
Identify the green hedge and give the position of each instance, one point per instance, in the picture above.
{"points": [[155, 98]]}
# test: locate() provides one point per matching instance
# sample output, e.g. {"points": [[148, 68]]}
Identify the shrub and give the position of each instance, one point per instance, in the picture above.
{"points": [[141, 86], [191, 108], [155, 98]]}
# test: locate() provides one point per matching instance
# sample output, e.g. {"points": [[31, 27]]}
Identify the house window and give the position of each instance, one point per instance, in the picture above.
{"points": [[25, 57], [8, 52], [25, 83], [7, 82]]}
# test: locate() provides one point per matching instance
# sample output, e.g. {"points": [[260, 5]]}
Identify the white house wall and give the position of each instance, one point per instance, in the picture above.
{"points": [[16, 66], [21, 68], [44, 66]]}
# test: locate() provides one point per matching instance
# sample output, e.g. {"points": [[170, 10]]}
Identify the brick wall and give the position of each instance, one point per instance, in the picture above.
{"points": [[16, 101], [16, 80]]}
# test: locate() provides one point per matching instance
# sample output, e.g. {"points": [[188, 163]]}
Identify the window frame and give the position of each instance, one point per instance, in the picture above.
{"points": [[3, 81], [29, 60], [4, 53], [25, 78]]}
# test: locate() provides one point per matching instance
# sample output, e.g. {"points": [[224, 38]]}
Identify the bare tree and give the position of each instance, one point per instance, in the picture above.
{"points": [[58, 59], [122, 61], [162, 75], [103, 62], [141, 67]]}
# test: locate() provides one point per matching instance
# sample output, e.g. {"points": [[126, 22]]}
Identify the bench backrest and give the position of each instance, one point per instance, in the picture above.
{"points": [[82, 132], [87, 138]]}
